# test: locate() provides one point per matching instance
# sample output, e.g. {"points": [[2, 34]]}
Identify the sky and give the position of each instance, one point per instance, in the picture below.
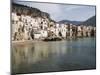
{"points": [[60, 12]]}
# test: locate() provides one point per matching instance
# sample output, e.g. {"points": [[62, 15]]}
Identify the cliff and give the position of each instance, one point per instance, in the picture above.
{"points": [[26, 10]]}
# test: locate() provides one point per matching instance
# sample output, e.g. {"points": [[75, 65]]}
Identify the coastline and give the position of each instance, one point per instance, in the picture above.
{"points": [[25, 42]]}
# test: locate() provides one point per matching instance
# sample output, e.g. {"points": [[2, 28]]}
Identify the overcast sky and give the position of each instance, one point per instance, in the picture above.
{"points": [[62, 11]]}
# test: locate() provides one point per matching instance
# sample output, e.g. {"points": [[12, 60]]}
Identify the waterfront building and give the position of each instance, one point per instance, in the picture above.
{"points": [[25, 27], [79, 31]]}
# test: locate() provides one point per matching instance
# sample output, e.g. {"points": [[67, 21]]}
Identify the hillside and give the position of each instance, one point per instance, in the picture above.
{"points": [[72, 22], [26, 10], [91, 21], [34, 12]]}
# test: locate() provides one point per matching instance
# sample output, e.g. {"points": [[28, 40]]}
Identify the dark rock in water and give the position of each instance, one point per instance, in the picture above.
{"points": [[52, 39]]}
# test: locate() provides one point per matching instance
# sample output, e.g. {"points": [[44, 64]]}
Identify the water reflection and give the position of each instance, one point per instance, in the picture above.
{"points": [[54, 56]]}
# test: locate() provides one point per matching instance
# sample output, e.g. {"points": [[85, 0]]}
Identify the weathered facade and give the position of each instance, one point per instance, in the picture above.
{"points": [[33, 24]]}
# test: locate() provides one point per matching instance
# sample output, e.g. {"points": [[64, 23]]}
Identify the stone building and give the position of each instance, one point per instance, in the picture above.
{"points": [[33, 24]]}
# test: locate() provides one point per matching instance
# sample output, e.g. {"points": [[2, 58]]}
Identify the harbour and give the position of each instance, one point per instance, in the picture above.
{"points": [[78, 54]]}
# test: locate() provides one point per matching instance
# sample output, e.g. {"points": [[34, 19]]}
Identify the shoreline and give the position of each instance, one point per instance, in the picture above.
{"points": [[23, 42]]}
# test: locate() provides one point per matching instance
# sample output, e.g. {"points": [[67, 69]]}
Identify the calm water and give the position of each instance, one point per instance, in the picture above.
{"points": [[67, 55]]}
